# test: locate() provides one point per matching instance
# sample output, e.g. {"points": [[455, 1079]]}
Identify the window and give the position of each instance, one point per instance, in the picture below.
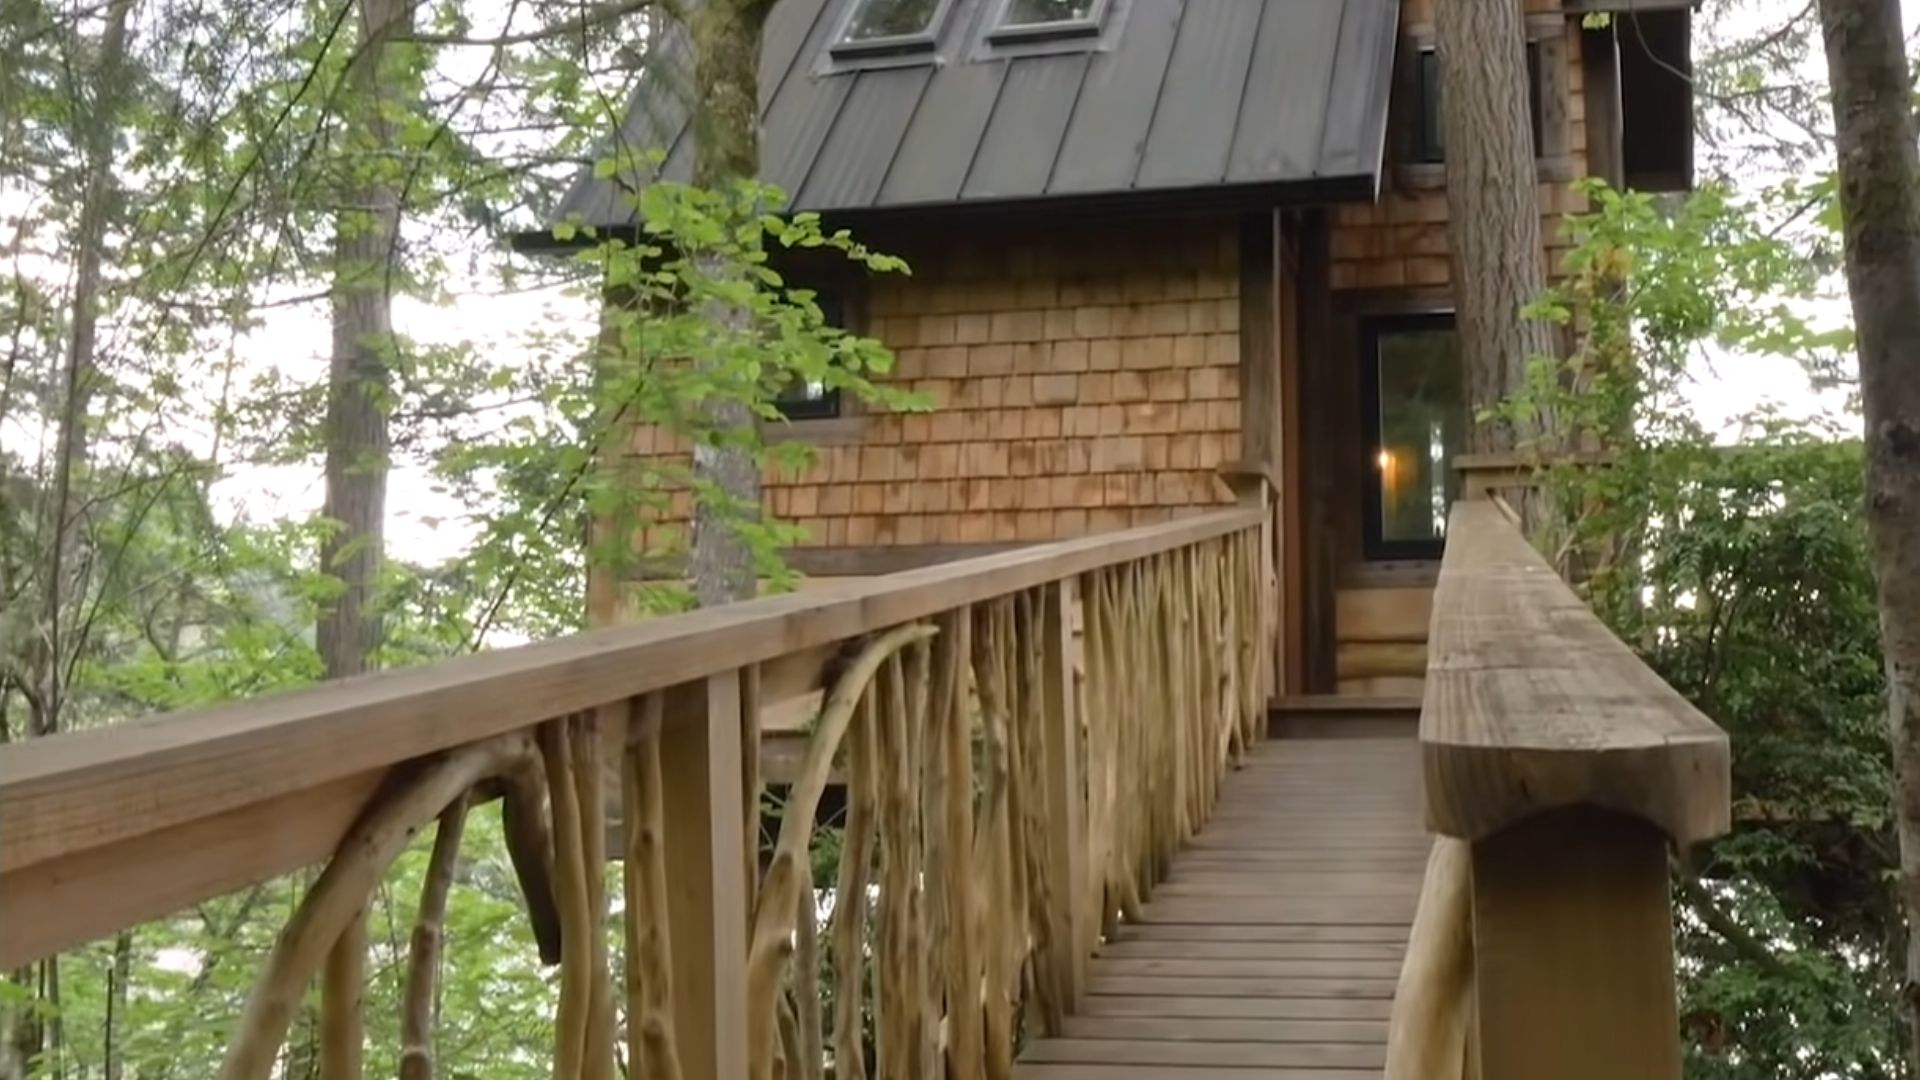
{"points": [[1415, 425], [1026, 20], [891, 26], [807, 401], [814, 400], [1427, 145]]}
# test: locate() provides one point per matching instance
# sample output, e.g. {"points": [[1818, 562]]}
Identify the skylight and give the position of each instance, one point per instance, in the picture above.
{"points": [[1046, 18], [891, 25]]}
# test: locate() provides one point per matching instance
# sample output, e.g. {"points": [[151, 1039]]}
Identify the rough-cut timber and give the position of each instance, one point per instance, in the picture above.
{"points": [[110, 828], [1270, 951], [1532, 705]]}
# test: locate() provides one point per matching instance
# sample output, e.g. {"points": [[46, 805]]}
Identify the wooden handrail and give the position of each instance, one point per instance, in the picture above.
{"points": [[1026, 738], [1532, 704], [1559, 769], [83, 790]]}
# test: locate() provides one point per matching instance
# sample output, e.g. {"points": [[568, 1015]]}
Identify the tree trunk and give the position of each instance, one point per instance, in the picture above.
{"points": [[1879, 169], [726, 40], [366, 235], [113, 1059], [27, 1037], [1493, 213], [366, 241]]}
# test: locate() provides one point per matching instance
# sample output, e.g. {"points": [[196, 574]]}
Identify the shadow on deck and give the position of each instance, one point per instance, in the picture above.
{"points": [[1272, 948]]}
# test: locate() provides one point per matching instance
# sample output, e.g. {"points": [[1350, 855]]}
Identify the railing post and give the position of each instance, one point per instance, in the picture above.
{"points": [[701, 791], [1570, 768], [1573, 950], [1066, 800]]}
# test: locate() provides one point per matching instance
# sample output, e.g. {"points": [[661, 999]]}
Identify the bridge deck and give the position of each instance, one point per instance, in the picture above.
{"points": [[1270, 952]]}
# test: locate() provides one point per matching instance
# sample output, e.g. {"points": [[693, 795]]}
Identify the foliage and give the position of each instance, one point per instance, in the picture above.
{"points": [[1739, 573], [232, 171], [566, 463]]}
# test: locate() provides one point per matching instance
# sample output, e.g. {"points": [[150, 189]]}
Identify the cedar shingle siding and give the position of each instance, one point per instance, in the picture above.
{"points": [[1081, 379]]}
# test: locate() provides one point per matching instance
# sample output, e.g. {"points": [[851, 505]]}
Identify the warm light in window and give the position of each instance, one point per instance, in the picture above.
{"points": [[1389, 475]]}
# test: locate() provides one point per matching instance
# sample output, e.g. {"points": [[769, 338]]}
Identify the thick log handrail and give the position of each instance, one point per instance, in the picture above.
{"points": [[1095, 689], [1559, 770], [1532, 704]]}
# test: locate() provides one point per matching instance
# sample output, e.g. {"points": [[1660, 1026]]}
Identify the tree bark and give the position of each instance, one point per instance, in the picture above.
{"points": [[1879, 169], [366, 243], [113, 1059], [366, 238], [1493, 211], [26, 1036], [726, 41]]}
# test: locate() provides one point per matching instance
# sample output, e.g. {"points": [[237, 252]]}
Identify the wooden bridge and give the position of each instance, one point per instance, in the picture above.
{"points": [[1068, 849]]}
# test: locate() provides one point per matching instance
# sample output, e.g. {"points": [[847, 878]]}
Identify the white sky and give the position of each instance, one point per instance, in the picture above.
{"points": [[423, 526]]}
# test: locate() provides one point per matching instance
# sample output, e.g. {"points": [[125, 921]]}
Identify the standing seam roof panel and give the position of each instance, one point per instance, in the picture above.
{"points": [[1108, 130], [1021, 141], [938, 150], [853, 161], [1193, 127], [1179, 94], [1285, 102], [802, 112], [1355, 132], [790, 25]]}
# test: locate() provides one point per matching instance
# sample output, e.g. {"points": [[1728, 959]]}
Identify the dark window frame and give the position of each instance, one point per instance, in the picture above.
{"points": [[1374, 544], [824, 406], [1423, 142], [1089, 27], [922, 45], [839, 308]]}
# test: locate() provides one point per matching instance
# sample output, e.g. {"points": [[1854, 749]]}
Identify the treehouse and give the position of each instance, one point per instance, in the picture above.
{"points": [[1162, 250], [1181, 304]]}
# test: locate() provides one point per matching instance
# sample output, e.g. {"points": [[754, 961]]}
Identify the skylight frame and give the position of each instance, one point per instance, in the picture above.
{"points": [[926, 41], [1088, 26]]}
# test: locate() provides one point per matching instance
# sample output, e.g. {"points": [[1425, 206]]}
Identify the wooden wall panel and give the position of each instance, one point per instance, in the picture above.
{"points": [[1384, 615], [1400, 241], [1082, 378]]}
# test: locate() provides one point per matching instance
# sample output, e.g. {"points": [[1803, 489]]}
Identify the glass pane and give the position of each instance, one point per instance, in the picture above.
{"points": [[1422, 424], [875, 19], [1427, 142], [1428, 145], [1032, 12]]}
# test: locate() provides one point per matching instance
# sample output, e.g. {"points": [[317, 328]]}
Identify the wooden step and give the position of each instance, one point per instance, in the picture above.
{"points": [[1324, 716]]}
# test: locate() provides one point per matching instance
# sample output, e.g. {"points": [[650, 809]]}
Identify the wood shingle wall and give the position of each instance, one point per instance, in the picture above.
{"points": [[1401, 240], [1080, 378]]}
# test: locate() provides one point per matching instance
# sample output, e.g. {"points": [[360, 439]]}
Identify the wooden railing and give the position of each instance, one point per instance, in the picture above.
{"points": [[1559, 772], [1025, 739]]}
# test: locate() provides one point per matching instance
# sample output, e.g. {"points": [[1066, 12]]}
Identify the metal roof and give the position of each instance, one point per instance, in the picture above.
{"points": [[1177, 95]]}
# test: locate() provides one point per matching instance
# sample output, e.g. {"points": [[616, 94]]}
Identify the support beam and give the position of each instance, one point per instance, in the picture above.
{"points": [[1074, 921], [700, 765], [1573, 937]]}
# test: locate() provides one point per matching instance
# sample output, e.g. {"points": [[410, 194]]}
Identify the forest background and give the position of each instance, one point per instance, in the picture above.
{"points": [[188, 191]]}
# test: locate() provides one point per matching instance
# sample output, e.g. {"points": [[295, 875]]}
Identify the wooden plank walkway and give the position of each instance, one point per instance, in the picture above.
{"points": [[1271, 951]]}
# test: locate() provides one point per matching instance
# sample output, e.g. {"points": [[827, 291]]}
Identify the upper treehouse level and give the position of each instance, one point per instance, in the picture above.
{"points": [[1198, 369], [1156, 244]]}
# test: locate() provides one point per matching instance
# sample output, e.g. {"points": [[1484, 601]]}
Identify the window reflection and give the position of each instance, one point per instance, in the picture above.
{"points": [[1420, 424], [874, 20], [1033, 12]]}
